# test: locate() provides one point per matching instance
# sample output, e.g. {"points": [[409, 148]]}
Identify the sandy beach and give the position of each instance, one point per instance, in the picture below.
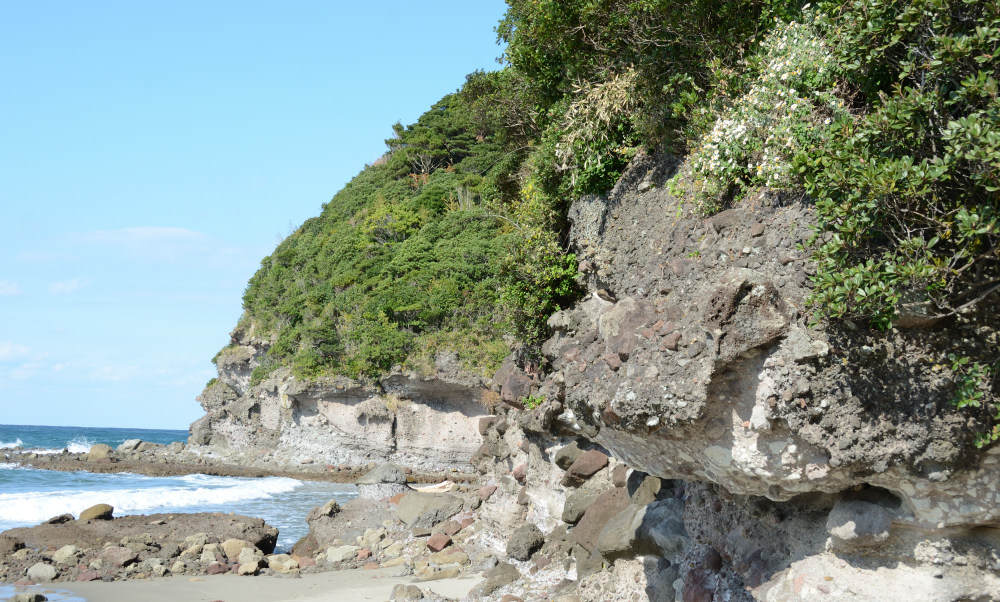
{"points": [[332, 586]]}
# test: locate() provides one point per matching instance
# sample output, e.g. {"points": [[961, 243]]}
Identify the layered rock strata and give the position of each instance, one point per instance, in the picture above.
{"points": [[424, 422]]}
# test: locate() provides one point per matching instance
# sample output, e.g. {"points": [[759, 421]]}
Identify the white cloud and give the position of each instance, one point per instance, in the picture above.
{"points": [[12, 351], [144, 235], [9, 289], [65, 287], [25, 371]]}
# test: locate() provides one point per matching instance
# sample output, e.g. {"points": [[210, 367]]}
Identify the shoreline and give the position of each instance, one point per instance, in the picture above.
{"points": [[352, 584]]}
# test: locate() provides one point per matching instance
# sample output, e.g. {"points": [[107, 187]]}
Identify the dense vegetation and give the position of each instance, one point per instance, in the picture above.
{"points": [[883, 113]]}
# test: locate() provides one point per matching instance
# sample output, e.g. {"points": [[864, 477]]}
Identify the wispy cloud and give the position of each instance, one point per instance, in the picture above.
{"points": [[9, 289], [145, 235], [66, 287], [10, 351]]}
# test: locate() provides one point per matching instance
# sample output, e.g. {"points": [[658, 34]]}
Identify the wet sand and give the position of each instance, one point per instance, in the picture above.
{"points": [[333, 586]]}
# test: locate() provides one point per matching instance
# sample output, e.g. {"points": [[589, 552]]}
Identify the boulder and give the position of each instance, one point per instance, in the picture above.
{"points": [[248, 568], [233, 547], [858, 523], [99, 452], [525, 541], [58, 520], [210, 553], [129, 445], [585, 466], [66, 554], [282, 563], [438, 542], [331, 508], [118, 556], [646, 491], [576, 504], [654, 529], [418, 509], [41, 572], [385, 473], [568, 454], [341, 553], [249, 555], [452, 556], [97, 512], [449, 527], [514, 383], [499, 576], [486, 422], [486, 491], [384, 481], [28, 597], [606, 505]]}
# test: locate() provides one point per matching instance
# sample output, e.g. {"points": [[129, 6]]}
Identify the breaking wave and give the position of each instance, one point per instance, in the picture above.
{"points": [[190, 490]]}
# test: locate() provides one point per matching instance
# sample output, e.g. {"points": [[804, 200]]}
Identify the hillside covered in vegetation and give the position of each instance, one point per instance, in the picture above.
{"points": [[884, 115]]}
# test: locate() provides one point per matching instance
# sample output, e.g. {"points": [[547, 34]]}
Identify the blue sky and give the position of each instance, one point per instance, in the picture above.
{"points": [[151, 154]]}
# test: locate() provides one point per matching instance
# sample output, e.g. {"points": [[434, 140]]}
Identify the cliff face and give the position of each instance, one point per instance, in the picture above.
{"points": [[427, 422], [807, 459]]}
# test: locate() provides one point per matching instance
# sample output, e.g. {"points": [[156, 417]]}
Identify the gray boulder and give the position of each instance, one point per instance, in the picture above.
{"points": [[129, 445], [525, 541], [576, 504], [385, 481], [42, 572], [418, 509], [654, 529], [857, 523]]}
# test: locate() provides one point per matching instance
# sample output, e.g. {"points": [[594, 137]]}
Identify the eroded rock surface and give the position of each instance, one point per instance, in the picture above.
{"points": [[424, 422]]}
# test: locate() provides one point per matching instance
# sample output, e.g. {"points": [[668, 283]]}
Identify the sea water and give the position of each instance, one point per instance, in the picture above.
{"points": [[29, 496]]}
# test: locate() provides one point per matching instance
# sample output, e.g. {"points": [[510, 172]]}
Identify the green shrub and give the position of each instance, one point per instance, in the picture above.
{"points": [[906, 186]]}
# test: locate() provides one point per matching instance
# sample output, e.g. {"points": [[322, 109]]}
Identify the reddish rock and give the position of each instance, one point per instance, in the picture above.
{"points": [[305, 561], [118, 556], [514, 383], [485, 492], [438, 542], [467, 521], [370, 566], [394, 500], [217, 568], [607, 505], [612, 360], [671, 340], [619, 476], [364, 554], [88, 575], [520, 473], [449, 527], [696, 587], [584, 467]]}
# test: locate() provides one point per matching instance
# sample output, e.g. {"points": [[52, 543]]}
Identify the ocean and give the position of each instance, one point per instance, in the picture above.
{"points": [[29, 496]]}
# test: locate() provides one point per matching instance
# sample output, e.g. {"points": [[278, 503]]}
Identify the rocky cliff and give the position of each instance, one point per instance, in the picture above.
{"points": [[692, 434], [753, 453], [426, 422]]}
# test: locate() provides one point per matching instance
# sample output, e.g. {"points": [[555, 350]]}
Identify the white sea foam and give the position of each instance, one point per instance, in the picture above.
{"points": [[79, 445], [192, 490], [12, 444], [8, 466]]}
